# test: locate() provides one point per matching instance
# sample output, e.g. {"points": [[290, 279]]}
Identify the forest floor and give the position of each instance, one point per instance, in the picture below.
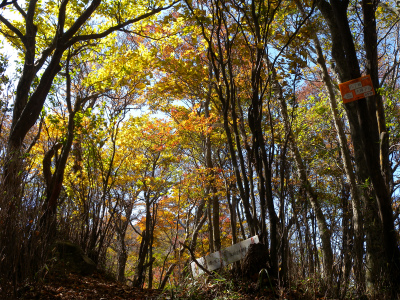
{"points": [[74, 286], [100, 287]]}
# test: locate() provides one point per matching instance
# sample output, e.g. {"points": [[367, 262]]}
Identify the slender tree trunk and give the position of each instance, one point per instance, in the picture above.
{"points": [[200, 219], [214, 203], [244, 195], [324, 231], [250, 160], [345, 263], [166, 277], [312, 255], [122, 256], [240, 214], [311, 259], [150, 256], [144, 247], [210, 226], [232, 210], [301, 242]]}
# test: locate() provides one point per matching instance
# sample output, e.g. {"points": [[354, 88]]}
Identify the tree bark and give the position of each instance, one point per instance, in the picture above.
{"points": [[368, 133], [212, 191], [122, 255]]}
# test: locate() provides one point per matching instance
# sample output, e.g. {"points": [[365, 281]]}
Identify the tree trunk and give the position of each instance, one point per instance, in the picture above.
{"points": [[122, 257], [368, 133], [324, 231], [144, 247], [232, 210], [345, 151], [214, 203]]}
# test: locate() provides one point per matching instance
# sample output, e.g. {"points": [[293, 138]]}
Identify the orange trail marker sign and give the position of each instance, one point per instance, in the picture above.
{"points": [[356, 89]]}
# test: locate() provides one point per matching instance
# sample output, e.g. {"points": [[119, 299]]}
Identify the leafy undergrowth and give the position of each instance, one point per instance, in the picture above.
{"points": [[99, 287], [221, 289], [226, 287]]}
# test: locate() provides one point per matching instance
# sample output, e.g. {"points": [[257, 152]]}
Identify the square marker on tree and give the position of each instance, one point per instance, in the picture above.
{"points": [[356, 89]]}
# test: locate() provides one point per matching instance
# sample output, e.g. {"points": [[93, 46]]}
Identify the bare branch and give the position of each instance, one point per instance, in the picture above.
{"points": [[20, 10], [4, 3], [194, 259], [12, 28], [110, 30]]}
